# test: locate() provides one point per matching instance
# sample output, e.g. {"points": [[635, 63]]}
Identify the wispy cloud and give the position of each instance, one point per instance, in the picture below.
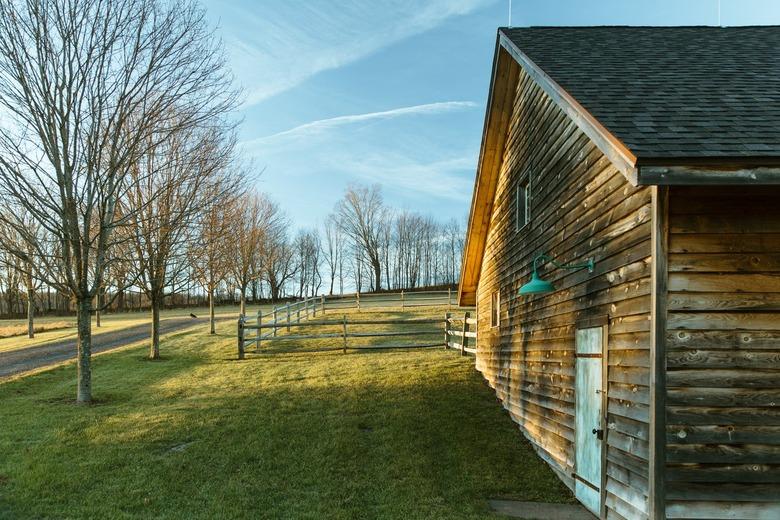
{"points": [[323, 125], [276, 44], [443, 179]]}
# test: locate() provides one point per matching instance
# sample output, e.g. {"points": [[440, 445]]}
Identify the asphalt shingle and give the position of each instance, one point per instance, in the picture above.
{"points": [[670, 92]]}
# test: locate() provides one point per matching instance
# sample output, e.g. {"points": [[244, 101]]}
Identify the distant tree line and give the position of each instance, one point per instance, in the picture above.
{"points": [[363, 245]]}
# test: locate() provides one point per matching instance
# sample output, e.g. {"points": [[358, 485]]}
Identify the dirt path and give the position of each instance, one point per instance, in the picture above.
{"points": [[22, 360]]}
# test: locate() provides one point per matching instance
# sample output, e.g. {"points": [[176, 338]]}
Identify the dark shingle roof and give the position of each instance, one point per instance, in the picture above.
{"points": [[670, 92]]}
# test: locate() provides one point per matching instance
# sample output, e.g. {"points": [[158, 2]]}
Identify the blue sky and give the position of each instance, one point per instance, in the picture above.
{"points": [[393, 92]]}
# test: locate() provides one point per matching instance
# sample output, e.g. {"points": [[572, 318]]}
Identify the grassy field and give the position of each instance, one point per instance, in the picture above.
{"points": [[13, 333], [286, 433]]}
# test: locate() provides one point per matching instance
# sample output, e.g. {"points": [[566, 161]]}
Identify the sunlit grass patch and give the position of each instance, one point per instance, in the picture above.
{"points": [[19, 329], [388, 434]]}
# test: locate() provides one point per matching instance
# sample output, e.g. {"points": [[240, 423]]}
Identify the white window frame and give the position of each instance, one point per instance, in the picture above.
{"points": [[523, 186], [495, 309]]}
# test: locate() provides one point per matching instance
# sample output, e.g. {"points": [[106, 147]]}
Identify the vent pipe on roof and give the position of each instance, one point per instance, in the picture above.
{"points": [[719, 24]]}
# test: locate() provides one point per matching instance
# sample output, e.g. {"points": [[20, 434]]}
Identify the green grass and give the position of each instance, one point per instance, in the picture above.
{"points": [[282, 434]]}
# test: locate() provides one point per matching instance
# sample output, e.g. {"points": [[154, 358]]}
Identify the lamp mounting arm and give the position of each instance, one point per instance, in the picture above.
{"points": [[590, 264]]}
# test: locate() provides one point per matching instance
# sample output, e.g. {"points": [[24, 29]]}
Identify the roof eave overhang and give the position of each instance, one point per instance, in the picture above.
{"points": [[709, 171], [503, 80]]}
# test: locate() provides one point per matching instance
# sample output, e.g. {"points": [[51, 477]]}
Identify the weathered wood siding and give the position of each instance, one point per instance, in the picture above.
{"points": [[723, 353], [581, 207]]}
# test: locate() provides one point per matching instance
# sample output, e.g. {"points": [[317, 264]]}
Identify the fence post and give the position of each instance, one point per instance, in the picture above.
{"points": [[447, 330], [357, 299], [345, 333], [241, 336], [449, 298], [306, 308], [465, 339], [259, 331], [322, 304], [297, 314], [276, 316], [288, 317], [402, 299]]}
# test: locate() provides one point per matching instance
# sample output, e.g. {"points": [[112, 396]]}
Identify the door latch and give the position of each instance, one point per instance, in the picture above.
{"points": [[599, 433]]}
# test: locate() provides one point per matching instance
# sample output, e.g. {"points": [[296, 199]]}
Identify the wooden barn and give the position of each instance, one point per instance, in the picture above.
{"points": [[623, 252]]}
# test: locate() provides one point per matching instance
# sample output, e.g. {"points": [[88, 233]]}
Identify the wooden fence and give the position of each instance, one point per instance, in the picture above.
{"points": [[285, 316], [459, 330], [265, 326], [400, 299], [342, 336]]}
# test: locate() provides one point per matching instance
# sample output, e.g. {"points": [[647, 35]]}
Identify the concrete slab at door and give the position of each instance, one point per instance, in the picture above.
{"points": [[540, 510], [588, 428]]}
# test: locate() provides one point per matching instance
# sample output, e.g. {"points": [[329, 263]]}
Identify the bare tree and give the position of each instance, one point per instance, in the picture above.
{"points": [[278, 257], [172, 184], [333, 250], [307, 246], [83, 84], [256, 217], [16, 247], [10, 275], [212, 250], [414, 249], [361, 216], [385, 244], [118, 277], [453, 246]]}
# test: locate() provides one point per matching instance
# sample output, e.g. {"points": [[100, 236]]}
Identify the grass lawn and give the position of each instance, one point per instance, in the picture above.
{"points": [[282, 434], [13, 333]]}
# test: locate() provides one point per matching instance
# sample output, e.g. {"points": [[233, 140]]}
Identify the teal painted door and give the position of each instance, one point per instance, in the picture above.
{"points": [[588, 427]]}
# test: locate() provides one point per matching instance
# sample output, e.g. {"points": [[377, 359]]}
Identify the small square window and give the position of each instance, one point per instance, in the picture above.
{"points": [[495, 309], [522, 206]]}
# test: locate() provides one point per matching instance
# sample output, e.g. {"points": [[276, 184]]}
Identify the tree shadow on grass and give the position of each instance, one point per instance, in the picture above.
{"points": [[289, 437]]}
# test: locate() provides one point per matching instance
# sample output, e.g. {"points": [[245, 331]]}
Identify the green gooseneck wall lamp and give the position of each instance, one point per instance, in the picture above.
{"points": [[538, 285]]}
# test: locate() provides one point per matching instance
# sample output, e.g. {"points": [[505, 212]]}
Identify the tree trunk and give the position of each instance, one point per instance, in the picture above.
{"points": [[10, 301], [377, 275], [30, 313], [120, 301], [84, 346], [212, 327], [154, 347], [243, 301], [98, 304]]}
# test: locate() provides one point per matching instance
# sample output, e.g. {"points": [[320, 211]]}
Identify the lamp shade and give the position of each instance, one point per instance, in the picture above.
{"points": [[536, 286]]}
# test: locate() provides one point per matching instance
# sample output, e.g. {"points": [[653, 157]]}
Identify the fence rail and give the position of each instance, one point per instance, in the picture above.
{"points": [[460, 327], [304, 313], [285, 316], [344, 334]]}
